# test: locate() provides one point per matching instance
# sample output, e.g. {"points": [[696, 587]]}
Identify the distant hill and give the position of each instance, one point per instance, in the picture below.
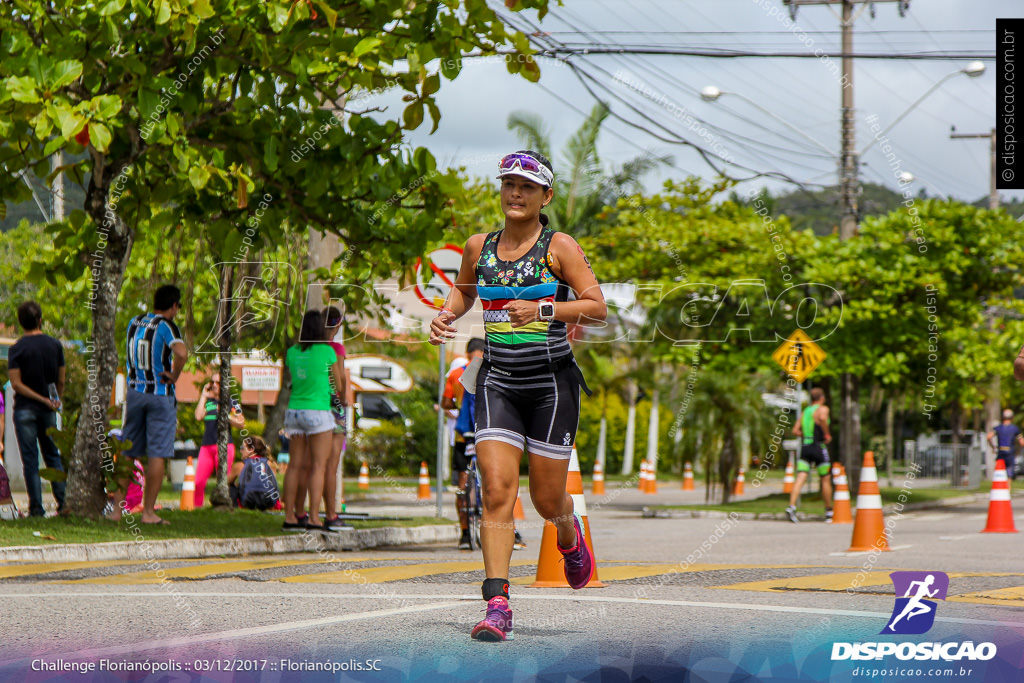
{"points": [[819, 210]]}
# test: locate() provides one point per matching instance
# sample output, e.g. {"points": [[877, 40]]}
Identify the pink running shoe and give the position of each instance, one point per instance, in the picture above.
{"points": [[579, 560], [497, 625]]}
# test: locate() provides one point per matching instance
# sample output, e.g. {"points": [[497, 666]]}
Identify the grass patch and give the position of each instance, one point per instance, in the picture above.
{"points": [[205, 523], [812, 504]]}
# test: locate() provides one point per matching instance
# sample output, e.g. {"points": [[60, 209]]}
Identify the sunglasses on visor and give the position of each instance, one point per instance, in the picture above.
{"points": [[528, 164]]}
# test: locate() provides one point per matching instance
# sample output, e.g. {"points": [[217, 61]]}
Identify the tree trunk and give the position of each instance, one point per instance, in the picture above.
{"points": [[992, 417], [652, 432], [849, 435], [726, 465], [221, 496], [627, 453], [89, 458], [890, 438]]}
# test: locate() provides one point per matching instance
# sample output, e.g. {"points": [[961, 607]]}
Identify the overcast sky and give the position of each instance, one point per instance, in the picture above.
{"points": [[804, 92]]}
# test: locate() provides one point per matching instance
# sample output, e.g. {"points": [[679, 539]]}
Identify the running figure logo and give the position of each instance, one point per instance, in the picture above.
{"points": [[913, 614]]}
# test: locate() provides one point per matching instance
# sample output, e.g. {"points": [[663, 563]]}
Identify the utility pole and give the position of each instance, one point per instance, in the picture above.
{"points": [[992, 401], [849, 188], [993, 193]]}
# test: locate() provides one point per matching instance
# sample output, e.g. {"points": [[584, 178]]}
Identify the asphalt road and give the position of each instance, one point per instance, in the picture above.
{"points": [[687, 600]]}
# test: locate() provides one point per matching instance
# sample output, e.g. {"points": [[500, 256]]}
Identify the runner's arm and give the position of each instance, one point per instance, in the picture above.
{"points": [[462, 295], [1018, 366], [571, 265]]}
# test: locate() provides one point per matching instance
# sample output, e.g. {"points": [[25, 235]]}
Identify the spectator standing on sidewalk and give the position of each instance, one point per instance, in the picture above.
{"points": [[36, 367], [156, 357]]}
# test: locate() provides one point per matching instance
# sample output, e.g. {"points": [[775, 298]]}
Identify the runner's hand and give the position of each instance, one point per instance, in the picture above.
{"points": [[522, 312], [441, 329]]}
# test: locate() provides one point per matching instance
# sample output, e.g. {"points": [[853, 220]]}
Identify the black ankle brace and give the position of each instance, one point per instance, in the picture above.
{"points": [[494, 587]]}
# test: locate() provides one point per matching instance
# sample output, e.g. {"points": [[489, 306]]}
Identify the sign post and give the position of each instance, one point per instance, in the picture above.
{"points": [[260, 379], [432, 287], [440, 429]]}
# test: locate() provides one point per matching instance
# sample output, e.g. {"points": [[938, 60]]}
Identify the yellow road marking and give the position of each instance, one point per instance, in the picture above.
{"points": [[13, 570], [837, 582], [636, 571], [1007, 597], [200, 571], [385, 574]]}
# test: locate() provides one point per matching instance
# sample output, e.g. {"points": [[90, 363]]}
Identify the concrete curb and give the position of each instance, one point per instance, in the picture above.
{"points": [[648, 513], [183, 548]]}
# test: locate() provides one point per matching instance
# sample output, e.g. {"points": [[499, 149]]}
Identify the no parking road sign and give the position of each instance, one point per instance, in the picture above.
{"points": [[799, 356], [434, 283]]}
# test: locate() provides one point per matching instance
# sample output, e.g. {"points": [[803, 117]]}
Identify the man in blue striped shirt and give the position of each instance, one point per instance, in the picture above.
{"points": [[156, 357]]}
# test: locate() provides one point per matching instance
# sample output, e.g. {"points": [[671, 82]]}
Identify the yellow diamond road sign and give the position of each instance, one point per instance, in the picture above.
{"points": [[799, 356]]}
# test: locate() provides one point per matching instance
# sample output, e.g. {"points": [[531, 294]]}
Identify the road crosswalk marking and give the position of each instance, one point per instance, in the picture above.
{"points": [[201, 571]]}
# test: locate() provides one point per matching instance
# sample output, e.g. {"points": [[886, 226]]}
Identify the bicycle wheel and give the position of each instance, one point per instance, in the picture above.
{"points": [[472, 510], [477, 503]]}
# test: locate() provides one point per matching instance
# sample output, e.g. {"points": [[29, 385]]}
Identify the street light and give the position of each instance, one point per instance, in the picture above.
{"points": [[972, 70], [711, 94]]}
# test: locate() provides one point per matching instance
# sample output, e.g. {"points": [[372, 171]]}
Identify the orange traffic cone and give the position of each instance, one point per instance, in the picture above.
{"points": [[652, 478], [424, 490], [550, 572], [364, 477], [688, 477], [841, 513], [597, 487], [1000, 514], [789, 479], [738, 489], [868, 526], [188, 487], [517, 511], [643, 477]]}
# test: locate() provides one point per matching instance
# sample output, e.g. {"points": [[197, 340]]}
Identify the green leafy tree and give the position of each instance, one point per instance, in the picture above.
{"points": [[186, 107]]}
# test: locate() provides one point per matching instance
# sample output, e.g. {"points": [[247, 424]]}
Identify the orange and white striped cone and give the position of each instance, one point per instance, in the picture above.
{"points": [[517, 511], [652, 478], [424, 484], [740, 479], [364, 477], [688, 477], [597, 487], [550, 572], [841, 512], [868, 525], [1000, 513], [788, 480], [643, 477], [188, 487]]}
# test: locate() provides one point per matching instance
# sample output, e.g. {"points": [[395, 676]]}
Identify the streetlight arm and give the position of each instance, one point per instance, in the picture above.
{"points": [[908, 110], [783, 121]]}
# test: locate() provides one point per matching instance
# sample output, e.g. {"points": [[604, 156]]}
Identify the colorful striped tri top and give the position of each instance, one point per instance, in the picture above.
{"points": [[534, 345]]}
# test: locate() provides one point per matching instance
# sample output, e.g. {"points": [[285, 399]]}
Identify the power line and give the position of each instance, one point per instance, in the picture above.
{"points": [[583, 49]]}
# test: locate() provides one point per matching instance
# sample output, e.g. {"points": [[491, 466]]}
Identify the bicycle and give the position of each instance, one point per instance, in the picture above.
{"points": [[470, 497]]}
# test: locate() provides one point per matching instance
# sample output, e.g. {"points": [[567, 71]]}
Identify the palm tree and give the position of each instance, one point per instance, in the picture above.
{"points": [[723, 406], [584, 189]]}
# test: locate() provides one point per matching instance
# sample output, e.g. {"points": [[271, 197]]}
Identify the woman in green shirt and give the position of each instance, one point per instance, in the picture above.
{"points": [[308, 420]]}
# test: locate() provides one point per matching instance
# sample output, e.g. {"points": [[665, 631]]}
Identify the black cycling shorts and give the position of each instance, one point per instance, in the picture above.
{"points": [[460, 461], [537, 414]]}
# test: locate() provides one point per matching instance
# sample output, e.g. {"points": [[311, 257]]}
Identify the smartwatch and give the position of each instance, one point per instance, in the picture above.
{"points": [[547, 310]]}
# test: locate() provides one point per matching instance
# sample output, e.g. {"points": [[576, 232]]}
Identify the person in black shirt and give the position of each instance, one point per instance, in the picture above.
{"points": [[36, 363]]}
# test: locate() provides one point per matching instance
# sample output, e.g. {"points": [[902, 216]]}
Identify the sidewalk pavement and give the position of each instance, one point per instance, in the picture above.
{"points": [[621, 499]]}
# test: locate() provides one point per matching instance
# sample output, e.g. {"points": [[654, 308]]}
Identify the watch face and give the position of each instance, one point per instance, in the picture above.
{"points": [[547, 310]]}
